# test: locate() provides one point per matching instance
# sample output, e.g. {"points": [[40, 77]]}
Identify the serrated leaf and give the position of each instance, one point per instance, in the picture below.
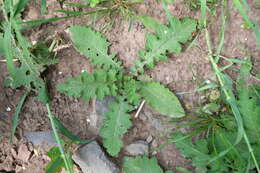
{"points": [[141, 165], [94, 46], [27, 74], [167, 39], [198, 152], [131, 89], [115, 125], [162, 100], [99, 84], [248, 104]]}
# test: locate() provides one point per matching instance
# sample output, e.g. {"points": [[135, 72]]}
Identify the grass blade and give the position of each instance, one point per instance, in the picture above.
{"points": [[20, 6], [43, 7], [63, 130], [16, 115], [248, 21], [67, 161], [203, 10]]}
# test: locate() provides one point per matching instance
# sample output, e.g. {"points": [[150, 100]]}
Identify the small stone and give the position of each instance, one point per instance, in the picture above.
{"points": [[60, 72], [137, 148], [91, 159], [102, 105], [23, 153], [149, 139], [154, 144], [8, 109], [34, 42], [39, 138]]}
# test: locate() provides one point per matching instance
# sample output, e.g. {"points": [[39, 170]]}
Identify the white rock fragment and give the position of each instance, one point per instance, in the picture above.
{"points": [[207, 81], [34, 42], [8, 109]]}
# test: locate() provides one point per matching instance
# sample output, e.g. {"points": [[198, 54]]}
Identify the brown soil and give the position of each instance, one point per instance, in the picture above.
{"points": [[183, 72]]}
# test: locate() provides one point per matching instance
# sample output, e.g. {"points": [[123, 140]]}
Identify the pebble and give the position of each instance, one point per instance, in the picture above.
{"points": [[8, 109], [91, 159], [102, 105], [137, 148], [149, 139], [41, 137]]}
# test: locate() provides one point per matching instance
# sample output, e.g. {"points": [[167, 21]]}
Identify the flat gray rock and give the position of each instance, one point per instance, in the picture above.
{"points": [[137, 148], [102, 105], [91, 159], [41, 137]]}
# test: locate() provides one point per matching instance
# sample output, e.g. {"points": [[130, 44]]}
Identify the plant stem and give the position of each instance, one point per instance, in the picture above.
{"points": [[68, 166], [230, 99]]}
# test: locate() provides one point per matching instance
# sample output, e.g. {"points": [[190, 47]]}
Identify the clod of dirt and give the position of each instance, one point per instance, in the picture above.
{"points": [[137, 148], [38, 138], [23, 153], [91, 159]]}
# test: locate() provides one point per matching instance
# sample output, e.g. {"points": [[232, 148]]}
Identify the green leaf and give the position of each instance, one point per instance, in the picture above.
{"points": [[99, 84], [93, 45], [115, 125], [1, 44], [64, 131], [16, 115], [141, 165], [162, 100], [167, 39], [131, 90], [93, 3], [182, 170], [149, 22], [248, 104], [56, 163], [20, 6], [28, 73], [198, 152]]}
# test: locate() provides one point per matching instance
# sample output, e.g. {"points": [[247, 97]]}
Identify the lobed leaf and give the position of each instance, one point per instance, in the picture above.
{"points": [[99, 84], [248, 104], [115, 125], [94, 46], [167, 39], [198, 152]]}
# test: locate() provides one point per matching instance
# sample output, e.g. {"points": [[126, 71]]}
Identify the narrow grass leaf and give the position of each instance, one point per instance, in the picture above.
{"points": [[20, 6], [66, 159], [64, 131], [43, 7], [203, 10], [248, 21]]}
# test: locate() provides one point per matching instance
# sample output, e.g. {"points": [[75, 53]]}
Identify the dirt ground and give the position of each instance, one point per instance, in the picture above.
{"points": [[183, 72]]}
